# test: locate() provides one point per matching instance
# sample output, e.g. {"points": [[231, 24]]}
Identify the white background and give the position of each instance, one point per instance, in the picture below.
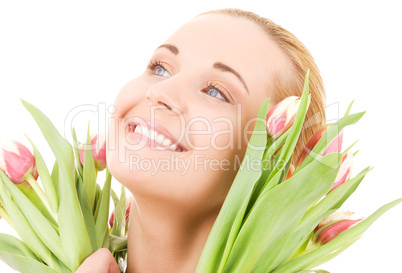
{"points": [[62, 56]]}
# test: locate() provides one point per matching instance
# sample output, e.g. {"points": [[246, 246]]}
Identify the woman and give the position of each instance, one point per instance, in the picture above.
{"points": [[200, 93]]}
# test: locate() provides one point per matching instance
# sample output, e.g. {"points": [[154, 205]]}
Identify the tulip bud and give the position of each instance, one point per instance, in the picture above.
{"points": [[16, 161], [334, 147], [333, 225], [98, 145], [128, 208], [345, 171], [290, 172], [282, 115]]}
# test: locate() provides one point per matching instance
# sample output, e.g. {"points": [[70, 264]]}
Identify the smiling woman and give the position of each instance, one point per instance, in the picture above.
{"points": [[178, 130], [196, 101]]}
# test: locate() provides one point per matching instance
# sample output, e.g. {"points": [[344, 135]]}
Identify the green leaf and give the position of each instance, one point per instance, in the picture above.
{"points": [[117, 243], [24, 264], [101, 219], [291, 200], [343, 239], [9, 243], [87, 212], [328, 136], [77, 152], [17, 255], [313, 271], [238, 194], [34, 198], [73, 233], [89, 173], [335, 198], [55, 179], [298, 239], [46, 179], [42, 227], [294, 130], [23, 228], [349, 108], [120, 215]]}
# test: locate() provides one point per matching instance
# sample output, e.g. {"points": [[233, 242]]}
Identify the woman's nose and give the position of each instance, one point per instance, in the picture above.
{"points": [[166, 95]]}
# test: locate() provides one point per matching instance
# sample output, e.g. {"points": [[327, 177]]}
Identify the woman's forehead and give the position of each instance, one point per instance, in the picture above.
{"points": [[237, 42]]}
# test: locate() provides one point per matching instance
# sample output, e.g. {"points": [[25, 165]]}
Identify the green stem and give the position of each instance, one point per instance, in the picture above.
{"points": [[34, 184]]}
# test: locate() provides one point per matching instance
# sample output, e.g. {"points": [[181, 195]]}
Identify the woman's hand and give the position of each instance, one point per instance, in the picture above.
{"points": [[101, 261]]}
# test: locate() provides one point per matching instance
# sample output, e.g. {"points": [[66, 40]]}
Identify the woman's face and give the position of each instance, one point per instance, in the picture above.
{"points": [[181, 128]]}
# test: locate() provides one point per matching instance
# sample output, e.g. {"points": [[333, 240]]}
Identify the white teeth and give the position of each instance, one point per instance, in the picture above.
{"points": [[159, 138], [173, 147], [153, 135], [138, 129], [166, 142]]}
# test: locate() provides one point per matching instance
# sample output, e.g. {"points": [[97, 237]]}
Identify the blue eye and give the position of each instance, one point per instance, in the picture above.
{"points": [[156, 68], [214, 92], [160, 71]]}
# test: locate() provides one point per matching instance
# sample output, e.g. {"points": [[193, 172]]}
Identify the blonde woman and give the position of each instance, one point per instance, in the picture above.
{"points": [[200, 93]]}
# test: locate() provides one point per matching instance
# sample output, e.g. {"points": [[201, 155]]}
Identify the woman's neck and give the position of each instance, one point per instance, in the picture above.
{"points": [[163, 239]]}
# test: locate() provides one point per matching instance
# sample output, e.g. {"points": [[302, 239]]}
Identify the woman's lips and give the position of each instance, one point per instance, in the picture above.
{"points": [[154, 135]]}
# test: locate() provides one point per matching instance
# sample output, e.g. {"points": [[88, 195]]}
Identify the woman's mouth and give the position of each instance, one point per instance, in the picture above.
{"points": [[160, 139]]}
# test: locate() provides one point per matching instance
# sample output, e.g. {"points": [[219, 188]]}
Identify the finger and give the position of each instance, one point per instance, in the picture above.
{"points": [[101, 261]]}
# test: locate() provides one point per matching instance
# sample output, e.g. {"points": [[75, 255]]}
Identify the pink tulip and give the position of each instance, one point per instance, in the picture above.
{"points": [[282, 115], [128, 208], [334, 147], [98, 145], [345, 171], [16, 161], [335, 216], [333, 225]]}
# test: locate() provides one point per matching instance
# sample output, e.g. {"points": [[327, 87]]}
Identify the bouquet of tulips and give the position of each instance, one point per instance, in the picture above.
{"points": [[277, 217], [64, 222], [283, 219]]}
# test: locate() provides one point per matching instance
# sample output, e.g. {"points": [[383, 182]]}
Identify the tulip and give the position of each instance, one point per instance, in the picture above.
{"points": [[18, 164], [334, 147], [333, 225], [98, 145], [290, 172], [128, 208], [345, 171], [282, 115], [16, 161]]}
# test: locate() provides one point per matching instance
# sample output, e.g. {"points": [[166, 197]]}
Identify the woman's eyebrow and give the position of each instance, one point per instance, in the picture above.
{"points": [[226, 68], [171, 48]]}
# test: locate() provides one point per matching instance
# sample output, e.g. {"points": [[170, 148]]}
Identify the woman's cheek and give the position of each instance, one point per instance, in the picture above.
{"points": [[129, 96]]}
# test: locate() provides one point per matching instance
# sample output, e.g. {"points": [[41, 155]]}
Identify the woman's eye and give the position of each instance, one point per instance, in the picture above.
{"points": [[160, 71], [214, 92]]}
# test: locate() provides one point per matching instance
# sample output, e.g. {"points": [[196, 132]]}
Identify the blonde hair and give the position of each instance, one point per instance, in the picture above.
{"points": [[292, 83]]}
